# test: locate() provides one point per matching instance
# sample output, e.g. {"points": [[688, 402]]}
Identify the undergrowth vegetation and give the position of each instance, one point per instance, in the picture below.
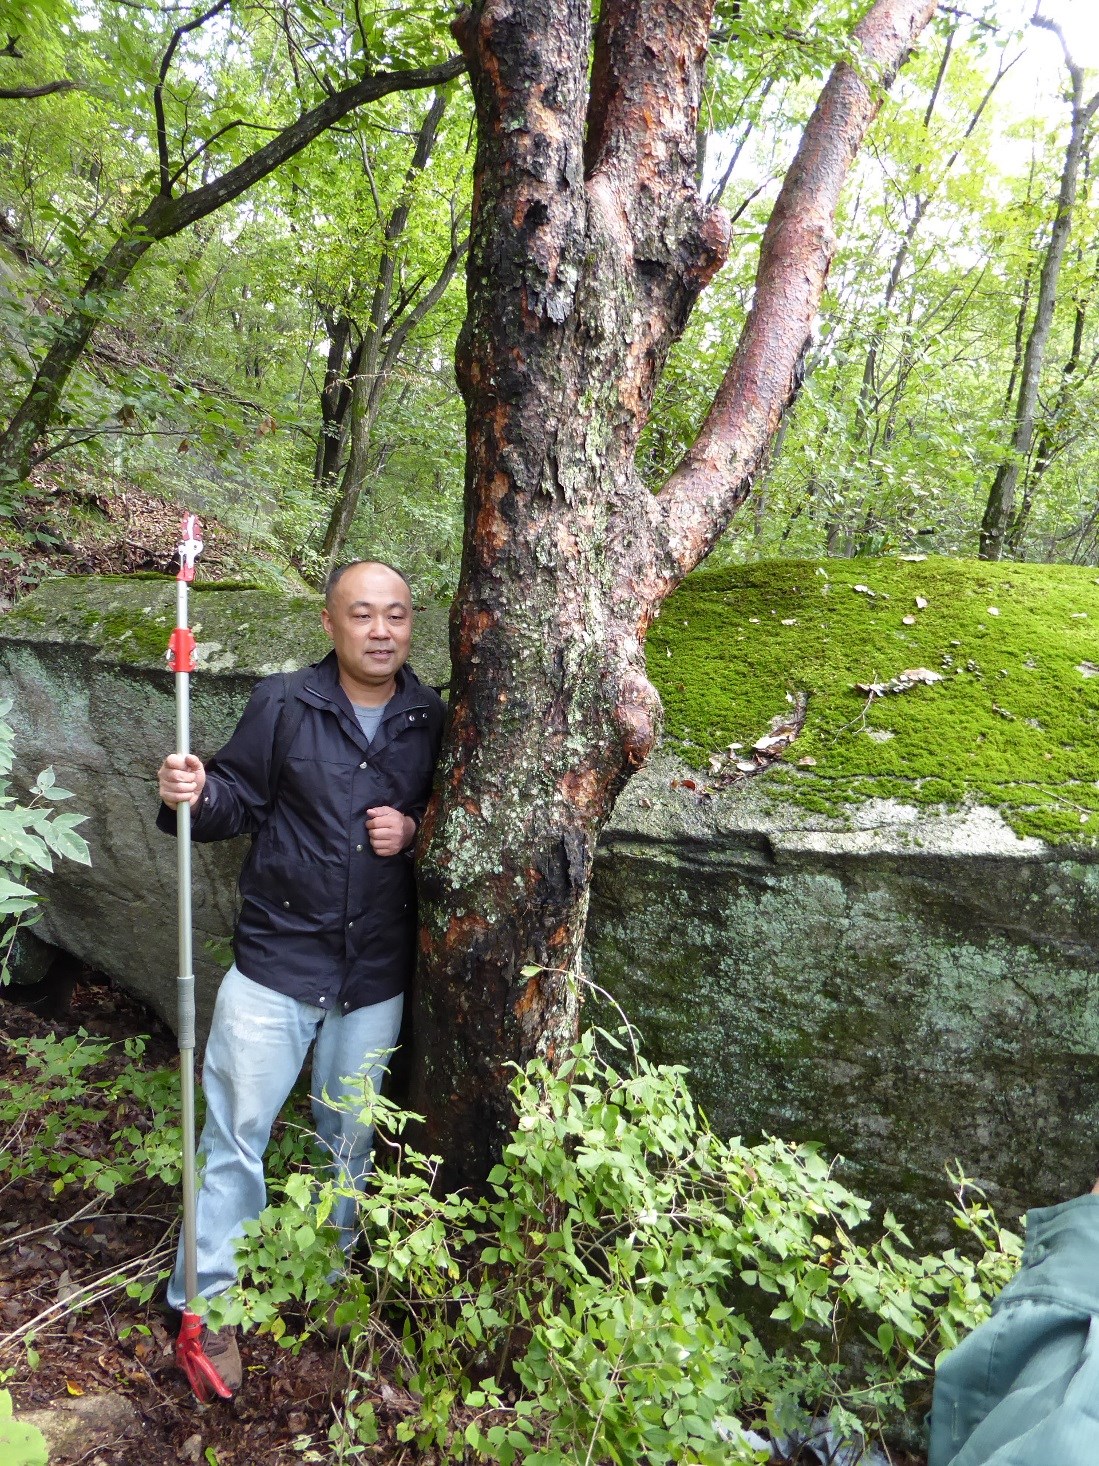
{"points": [[631, 1287], [1008, 725], [32, 834]]}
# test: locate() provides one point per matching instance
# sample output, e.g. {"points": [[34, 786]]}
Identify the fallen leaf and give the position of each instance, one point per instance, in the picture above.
{"points": [[910, 677], [73, 1388], [908, 620], [912, 559], [791, 622], [921, 604], [1087, 669], [1079, 616], [863, 590], [808, 762], [993, 611]]}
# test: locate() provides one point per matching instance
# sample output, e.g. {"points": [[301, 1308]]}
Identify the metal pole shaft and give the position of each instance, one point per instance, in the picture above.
{"points": [[186, 988]]}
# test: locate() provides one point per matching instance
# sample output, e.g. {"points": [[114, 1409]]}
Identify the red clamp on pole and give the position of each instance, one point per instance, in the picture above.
{"points": [[181, 647]]}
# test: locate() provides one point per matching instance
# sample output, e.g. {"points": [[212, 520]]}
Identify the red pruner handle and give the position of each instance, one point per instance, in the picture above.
{"points": [[190, 547], [181, 647]]}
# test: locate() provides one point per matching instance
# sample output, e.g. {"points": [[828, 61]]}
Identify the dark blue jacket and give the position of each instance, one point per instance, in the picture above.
{"points": [[322, 917]]}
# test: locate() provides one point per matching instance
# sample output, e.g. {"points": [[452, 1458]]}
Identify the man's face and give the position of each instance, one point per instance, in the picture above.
{"points": [[369, 622]]}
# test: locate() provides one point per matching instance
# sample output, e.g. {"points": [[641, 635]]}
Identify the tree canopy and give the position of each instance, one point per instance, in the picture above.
{"points": [[227, 364]]}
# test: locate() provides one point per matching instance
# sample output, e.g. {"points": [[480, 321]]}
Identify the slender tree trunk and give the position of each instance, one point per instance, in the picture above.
{"points": [[39, 407], [335, 396], [589, 247], [1001, 497], [1048, 446], [383, 339]]}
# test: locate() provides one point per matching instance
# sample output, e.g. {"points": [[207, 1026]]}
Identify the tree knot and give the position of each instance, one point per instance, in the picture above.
{"points": [[714, 234], [637, 719]]}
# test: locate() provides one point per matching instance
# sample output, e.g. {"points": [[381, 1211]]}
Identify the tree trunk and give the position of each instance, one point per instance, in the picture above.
{"points": [[39, 407], [1001, 497], [589, 246], [384, 338], [1048, 445], [334, 397]]}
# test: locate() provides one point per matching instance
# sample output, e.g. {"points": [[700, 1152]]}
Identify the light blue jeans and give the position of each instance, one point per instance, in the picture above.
{"points": [[258, 1043]]}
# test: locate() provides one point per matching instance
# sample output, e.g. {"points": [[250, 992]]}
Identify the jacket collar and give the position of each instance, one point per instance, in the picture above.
{"points": [[322, 688]]}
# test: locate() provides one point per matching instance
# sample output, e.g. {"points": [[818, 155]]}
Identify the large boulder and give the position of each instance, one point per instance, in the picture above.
{"points": [[84, 661], [915, 991], [878, 929]]}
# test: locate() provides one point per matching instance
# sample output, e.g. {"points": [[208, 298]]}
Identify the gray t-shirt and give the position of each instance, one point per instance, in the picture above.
{"points": [[369, 719]]}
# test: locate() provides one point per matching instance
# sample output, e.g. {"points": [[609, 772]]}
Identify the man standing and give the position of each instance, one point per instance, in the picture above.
{"points": [[329, 771]]}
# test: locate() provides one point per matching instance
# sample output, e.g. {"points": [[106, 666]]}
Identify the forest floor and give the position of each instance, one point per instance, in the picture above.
{"points": [[76, 527], [73, 1357]]}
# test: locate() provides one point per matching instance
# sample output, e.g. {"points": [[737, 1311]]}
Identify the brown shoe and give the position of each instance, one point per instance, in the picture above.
{"points": [[220, 1348]]}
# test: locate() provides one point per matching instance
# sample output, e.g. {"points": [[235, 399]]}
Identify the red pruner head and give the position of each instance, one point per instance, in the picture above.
{"points": [[190, 548], [191, 1358]]}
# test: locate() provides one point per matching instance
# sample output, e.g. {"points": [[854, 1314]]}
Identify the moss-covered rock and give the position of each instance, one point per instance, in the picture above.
{"points": [[873, 948], [1010, 725]]}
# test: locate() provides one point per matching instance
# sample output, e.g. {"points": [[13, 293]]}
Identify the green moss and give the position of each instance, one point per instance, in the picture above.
{"points": [[1011, 724]]}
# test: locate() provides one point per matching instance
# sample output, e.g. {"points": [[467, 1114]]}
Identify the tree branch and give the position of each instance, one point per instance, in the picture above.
{"points": [[158, 91], [716, 473], [207, 143], [201, 201], [47, 89]]}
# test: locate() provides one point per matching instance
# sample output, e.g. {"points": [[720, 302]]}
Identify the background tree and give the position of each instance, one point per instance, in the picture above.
{"points": [[589, 247], [170, 211], [1001, 497]]}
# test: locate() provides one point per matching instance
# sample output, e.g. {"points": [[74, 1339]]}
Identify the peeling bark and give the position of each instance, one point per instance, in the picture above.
{"points": [[589, 247]]}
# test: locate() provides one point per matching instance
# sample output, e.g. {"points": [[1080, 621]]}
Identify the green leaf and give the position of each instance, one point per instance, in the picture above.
{"points": [[20, 1445]]}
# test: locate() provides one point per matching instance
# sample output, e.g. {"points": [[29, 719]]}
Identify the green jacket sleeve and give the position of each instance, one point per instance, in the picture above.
{"points": [[1023, 1389]]}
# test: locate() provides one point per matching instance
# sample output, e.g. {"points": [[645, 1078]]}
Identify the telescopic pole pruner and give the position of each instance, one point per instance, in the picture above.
{"points": [[201, 1374]]}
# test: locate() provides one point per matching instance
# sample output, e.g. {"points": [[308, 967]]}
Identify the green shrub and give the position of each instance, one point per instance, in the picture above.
{"points": [[608, 1299]]}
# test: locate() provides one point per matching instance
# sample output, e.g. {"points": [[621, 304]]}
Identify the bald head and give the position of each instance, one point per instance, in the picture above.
{"points": [[337, 574]]}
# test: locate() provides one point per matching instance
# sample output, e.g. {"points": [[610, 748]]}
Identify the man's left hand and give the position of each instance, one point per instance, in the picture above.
{"points": [[390, 831]]}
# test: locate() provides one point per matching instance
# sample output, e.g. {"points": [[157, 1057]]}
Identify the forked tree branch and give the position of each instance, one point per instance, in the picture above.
{"points": [[716, 472], [158, 91]]}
